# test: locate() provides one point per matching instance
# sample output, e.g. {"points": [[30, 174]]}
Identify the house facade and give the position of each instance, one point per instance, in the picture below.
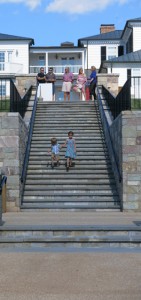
{"points": [[111, 51], [14, 54], [129, 63]]}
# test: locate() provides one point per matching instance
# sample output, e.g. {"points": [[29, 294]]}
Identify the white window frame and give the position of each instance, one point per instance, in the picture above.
{"points": [[2, 61], [111, 52]]}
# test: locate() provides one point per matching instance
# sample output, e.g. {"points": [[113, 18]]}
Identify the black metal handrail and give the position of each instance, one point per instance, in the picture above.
{"points": [[3, 180], [10, 99], [128, 98], [26, 158], [108, 131]]}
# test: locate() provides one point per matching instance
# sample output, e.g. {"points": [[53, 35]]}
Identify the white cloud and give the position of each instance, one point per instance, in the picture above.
{"points": [[68, 6], [32, 4], [81, 7]]}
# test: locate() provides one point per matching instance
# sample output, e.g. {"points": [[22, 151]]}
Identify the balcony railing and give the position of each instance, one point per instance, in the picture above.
{"points": [[11, 68], [58, 69]]}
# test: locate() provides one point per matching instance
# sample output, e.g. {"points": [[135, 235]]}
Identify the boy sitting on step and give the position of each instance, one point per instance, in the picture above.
{"points": [[55, 149]]}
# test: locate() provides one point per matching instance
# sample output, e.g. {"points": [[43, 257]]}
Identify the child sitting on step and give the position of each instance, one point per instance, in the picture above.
{"points": [[55, 149]]}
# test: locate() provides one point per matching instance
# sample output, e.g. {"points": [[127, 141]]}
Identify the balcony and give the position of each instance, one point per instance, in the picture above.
{"points": [[11, 68], [58, 69]]}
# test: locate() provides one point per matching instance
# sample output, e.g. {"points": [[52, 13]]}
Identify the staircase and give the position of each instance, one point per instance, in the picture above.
{"points": [[90, 184]]}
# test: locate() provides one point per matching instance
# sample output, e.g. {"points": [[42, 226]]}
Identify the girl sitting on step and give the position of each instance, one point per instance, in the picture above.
{"points": [[71, 149]]}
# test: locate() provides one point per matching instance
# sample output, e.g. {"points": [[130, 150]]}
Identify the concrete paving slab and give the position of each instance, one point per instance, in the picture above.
{"points": [[71, 218], [70, 276]]}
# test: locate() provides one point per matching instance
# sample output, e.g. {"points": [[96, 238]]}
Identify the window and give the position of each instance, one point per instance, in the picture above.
{"points": [[9, 56], [128, 73], [41, 60], [136, 72], [103, 53], [2, 90], [111, 52], [120, 50], [2, 60]]}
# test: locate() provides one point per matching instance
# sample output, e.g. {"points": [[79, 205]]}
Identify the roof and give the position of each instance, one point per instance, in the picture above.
{"points": [[5, 37], [56, 48], [129, 57], [128, 21], [112, 35], [134, 20]]}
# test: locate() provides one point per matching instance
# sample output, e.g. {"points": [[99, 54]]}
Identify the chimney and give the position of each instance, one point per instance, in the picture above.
{"points": [[104, 28]]}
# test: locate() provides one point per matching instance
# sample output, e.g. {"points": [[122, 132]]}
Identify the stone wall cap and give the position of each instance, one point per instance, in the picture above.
{"points": [[13, 114], [107, 75]]}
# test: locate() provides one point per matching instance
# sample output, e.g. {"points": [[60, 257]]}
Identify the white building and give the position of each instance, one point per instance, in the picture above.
{"points": [[111, 51]]}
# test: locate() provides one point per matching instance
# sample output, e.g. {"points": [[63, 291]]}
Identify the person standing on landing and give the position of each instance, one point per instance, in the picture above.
{"points": [[41, 76], [67, 83], [93, 82], [80, 83], [71, 149], [51, 78]]}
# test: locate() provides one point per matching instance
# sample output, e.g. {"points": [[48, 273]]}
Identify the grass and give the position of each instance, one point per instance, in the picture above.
{"points": [[5, 105], [136, 103]]}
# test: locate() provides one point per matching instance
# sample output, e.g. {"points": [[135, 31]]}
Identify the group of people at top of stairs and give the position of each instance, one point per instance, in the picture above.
{"points": [[70, 150], [68, 79]]}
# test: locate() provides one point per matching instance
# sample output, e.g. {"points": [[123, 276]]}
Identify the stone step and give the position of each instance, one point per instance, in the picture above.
{"points": [[73, 176], [79, 157], [48, 135], [80, 152], [72, 188], [95, 160], [76, 181], [66, 192], [82, 147], [86, 166], [66, 127], [60, 131], [76, 173], [72, 206], [72, 198], [70, 236], [64, 122], [95, 142]]}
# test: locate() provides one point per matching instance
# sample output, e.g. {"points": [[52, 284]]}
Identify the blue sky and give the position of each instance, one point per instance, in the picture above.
{"points": [[51, 22]]}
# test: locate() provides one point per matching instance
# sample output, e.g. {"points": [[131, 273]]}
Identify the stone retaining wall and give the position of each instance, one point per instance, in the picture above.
{"points": [[110, 81], [23, 83], [126, 136], [13, 137]]}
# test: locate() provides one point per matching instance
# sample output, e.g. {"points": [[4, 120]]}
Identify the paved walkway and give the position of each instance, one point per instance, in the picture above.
{"points": [[71, 218], [81, 275], [70, 276]]}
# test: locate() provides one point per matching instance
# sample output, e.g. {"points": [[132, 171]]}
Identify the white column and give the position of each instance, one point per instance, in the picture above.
{"points": [[83, 61], [46, 62]]}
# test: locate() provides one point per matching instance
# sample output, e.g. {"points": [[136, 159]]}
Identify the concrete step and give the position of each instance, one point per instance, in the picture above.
{"points": [[68, 192], [70, 181], [70, 236], [72, 198], [70, 176], [93, 173]]}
